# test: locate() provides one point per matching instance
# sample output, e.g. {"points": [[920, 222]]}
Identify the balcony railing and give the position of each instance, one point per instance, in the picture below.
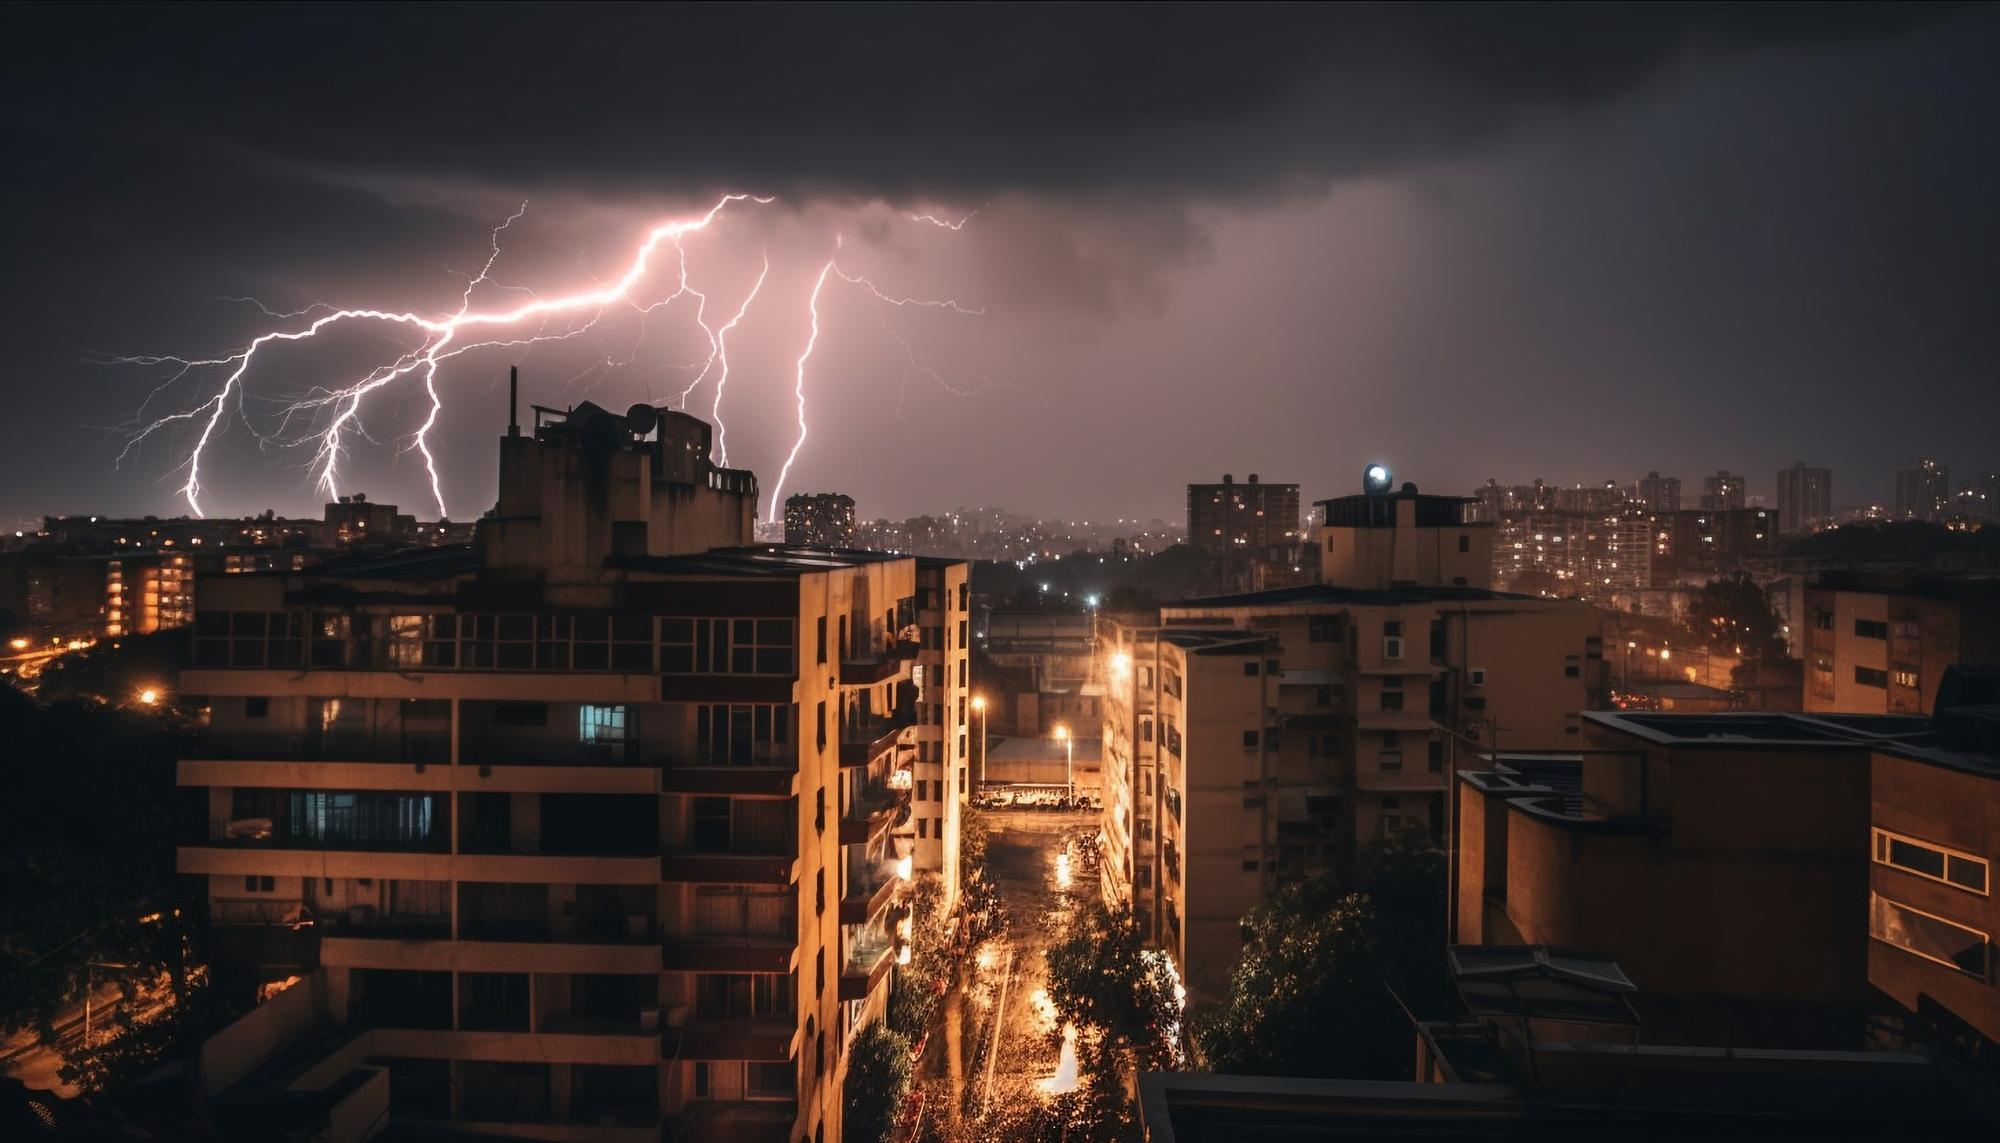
{"points": [[878, 807], [879, 667], [868, 892], [429, 746], [864, 739], [866, 963]]}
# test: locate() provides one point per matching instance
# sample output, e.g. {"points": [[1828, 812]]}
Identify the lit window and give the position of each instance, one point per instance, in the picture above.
{"points": [[1928, 936]]}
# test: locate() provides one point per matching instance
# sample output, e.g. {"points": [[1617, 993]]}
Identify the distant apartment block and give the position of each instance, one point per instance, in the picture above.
{"points": [[1260, 521], [1660, 494], [1923, 492], [1722, 492], [819, 520], [1805, 498], [1881, 643]]}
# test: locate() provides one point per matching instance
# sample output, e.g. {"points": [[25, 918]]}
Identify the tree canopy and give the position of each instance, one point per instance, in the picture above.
{"points": [[1732, 615]]}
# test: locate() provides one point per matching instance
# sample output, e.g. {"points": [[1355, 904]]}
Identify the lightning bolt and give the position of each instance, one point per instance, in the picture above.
{"points": [[440, 340], [328, 415], [799, 386], [722, 353]]}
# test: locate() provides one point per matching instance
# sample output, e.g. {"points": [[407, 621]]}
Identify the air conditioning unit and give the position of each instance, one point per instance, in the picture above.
{"points": [[1392, 646]]}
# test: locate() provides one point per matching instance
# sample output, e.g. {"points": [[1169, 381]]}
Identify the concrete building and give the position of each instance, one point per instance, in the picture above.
{"points": [[1881, 643], [1701, 538], [1805, 498], [596, 829], [354, 521], [1923, 492], [1395, 538], [144, 593], [1660, 494], [1654, 844], [1934, 834], [1722, 492], [942, 683], [1255, 520], [819, 520], [1187, 825], [1270, 732]]}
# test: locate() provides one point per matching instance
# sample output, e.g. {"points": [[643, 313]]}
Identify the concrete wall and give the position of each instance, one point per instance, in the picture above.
{"points": [[1955, 810]]}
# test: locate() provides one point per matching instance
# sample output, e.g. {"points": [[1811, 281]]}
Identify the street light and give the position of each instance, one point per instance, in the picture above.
{"points": [[89, 969], [979, 708], [1069, 761]]}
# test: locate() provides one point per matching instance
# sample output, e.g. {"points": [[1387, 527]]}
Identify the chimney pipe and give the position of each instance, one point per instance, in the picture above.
{"points": [[513, 400]]}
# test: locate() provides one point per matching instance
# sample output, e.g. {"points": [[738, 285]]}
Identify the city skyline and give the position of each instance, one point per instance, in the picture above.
{"points": [[1612, 229]]}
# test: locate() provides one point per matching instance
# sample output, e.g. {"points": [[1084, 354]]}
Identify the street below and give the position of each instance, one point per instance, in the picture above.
{"points": [[999, 1055]]}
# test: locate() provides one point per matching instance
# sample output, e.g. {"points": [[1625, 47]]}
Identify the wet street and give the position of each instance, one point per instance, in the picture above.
{"points": [[998, 1054]]}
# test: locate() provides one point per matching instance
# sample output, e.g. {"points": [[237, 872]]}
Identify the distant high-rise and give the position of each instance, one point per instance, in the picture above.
{"points": [[1661, 493], [1261, 519], [819, 520], [1721, 492], [1921, 492], [1805, 497]]}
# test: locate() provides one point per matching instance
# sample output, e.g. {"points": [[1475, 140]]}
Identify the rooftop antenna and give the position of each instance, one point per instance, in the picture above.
{"points": [[513, 400]]}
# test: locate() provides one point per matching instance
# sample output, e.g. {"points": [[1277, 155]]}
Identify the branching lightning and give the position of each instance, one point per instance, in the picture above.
{"points": [[329, 414]]}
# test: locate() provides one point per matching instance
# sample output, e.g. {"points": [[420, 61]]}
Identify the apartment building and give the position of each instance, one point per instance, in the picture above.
{"points": [[1881, 643], [1805, 497], [1699, 850], [1186, 820], [941, 785], [147, 592], [1257, 519], [596, 829], [1934, 835], [819, 520]]}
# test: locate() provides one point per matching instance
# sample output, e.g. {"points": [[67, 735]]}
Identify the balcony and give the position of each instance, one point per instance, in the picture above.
{"points": [[707, 867], [892, 662], [744, 953], [771, 771], [772, 1041], [866, 965], [869, 893], [878, 807], [420, 746], [862, 740]]}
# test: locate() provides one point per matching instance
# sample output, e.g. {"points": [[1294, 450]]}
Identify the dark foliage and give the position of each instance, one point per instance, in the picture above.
{"points": [[878, 1080], [1732, 613]]}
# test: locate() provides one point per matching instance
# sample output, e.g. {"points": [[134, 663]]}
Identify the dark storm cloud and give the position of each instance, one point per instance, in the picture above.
{"points": [[960, 100]]}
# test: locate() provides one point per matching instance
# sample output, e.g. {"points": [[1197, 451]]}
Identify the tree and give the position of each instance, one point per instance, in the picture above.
{"points": [[878, 1081], [1103, 977], [1316, 991], [920, 984], [1733, 616], [91, 827]]}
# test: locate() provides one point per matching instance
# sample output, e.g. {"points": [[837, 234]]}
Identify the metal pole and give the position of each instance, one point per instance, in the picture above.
{"points": [[1069, 765]]}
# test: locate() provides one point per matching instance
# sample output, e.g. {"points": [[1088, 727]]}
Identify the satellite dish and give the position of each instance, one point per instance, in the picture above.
{"points": [[642, 419], [1376, 479]]}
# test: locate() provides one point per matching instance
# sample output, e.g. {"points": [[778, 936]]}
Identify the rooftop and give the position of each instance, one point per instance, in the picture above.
{"points": [[1733, 730], [1328, 595]]}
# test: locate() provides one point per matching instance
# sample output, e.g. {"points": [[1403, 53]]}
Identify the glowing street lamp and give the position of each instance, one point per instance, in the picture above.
{"points": [[149, 697], [1069, 760], [979, 708]]}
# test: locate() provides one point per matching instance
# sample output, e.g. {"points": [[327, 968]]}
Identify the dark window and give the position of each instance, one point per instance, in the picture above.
{"points": [[1250, 668], [1871, 629], [521, 714], [1870, 677], [822, 638], [1323, 629], [1250, 738], [1464, 543], [257, 707], [1392, 700]]}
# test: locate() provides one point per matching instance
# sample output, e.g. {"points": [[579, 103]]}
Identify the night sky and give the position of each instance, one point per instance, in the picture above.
{"points": [[1510, 242]]}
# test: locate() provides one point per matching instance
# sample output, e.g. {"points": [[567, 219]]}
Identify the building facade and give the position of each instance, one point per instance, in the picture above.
{"points": [[1723, 492], [595, 829], [1255, 520], [819, 520], [1881, 643], [1923, 492], [1660, 494], [1805, 498]]}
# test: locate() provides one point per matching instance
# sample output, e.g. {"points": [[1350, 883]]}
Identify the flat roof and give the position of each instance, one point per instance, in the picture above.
{"points": [[1323, 593], [1734, 729]]}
